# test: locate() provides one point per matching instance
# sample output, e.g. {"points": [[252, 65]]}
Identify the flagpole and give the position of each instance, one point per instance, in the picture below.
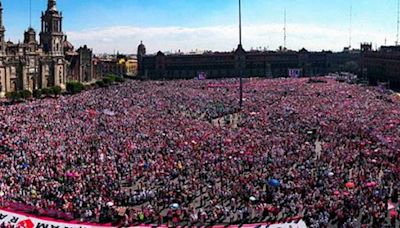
{"points": [[398, 22], [240, 22], [241, 65], [351, 25], [284, 31]]}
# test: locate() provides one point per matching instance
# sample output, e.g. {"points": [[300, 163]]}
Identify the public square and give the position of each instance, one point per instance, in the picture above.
{"points": [[183, 153]]}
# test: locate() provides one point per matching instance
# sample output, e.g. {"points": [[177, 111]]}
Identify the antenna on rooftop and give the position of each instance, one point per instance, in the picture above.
{"points": [[284, 31]]}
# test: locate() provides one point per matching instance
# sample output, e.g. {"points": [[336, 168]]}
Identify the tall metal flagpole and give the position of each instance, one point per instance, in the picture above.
{"points": [[240, 22], [240, 61], [284, 31], [351, 25], [398, 22]]}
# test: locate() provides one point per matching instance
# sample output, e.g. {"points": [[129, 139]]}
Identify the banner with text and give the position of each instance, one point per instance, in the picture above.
{"points": [[19, 220]]}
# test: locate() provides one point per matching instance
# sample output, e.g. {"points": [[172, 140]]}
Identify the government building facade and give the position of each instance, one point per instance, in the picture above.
{"points": [[383, 66], [255, 63], [52, 61]]}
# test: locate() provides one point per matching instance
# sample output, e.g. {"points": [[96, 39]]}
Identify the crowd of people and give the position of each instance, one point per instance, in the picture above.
{"points": [[150, 152]]}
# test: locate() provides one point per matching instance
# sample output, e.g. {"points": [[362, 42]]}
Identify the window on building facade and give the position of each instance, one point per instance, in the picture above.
{"points": [[61, 75]]}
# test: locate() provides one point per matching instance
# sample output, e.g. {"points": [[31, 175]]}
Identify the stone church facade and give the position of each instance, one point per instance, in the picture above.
{"points": [[35, 65]]}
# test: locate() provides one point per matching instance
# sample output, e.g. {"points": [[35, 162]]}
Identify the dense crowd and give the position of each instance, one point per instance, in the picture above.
{"points": [[150, 152]]}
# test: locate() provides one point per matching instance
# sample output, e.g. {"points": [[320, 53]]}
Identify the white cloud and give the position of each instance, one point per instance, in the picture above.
{"points": [[219, 38]]}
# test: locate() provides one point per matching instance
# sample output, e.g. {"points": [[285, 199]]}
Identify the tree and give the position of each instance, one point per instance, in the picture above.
{"points": [[14, 96], [9, 95], [101, 84], [120, 79], [25, 94], [107, 81], [112, 77], [56, 90], [75, 87], [37, 93], [46, 92]]}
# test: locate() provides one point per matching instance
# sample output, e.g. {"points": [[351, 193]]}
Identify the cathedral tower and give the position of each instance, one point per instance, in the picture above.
{"points": [[53, 66], [141, 52], [2, 33], [52, 37]]}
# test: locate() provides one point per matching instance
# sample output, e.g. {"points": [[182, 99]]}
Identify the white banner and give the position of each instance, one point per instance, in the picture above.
{"points": [[300, 224], [17, 220], [22, 221]]}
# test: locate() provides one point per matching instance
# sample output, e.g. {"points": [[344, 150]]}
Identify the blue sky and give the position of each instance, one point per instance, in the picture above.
{"points": [[169, 25]]}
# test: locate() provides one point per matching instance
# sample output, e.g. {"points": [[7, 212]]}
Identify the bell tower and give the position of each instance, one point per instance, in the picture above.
{"points": [[52, 40], [141, 52], [2, 33], [52, 36]]}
